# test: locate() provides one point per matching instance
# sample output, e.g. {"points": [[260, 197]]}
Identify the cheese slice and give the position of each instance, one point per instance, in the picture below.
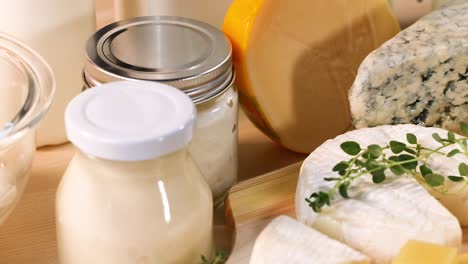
{"points": [[296, 60], [419, 76], [415, 252], [379, 218], [285, 240]]}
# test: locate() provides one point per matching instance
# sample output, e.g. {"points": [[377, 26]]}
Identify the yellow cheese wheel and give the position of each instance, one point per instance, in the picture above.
{"points": [[463, 258], [296, 60]]}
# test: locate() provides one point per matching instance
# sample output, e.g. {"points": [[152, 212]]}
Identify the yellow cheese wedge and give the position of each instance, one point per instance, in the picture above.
{"points": [[463, 258], [296, 60], [417, 252]]}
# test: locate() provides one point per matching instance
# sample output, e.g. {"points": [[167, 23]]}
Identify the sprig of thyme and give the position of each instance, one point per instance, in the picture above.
{"points": [[407, 158], [219, 258]]}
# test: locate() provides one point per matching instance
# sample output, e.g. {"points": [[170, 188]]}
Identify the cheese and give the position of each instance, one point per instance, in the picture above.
{"points": [[379, 218], [285, 240], [463, 258], [296, 59], [419, 77], [415, 252]]}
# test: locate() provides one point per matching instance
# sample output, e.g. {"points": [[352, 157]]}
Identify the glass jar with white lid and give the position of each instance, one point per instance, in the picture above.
{"points": [[132, 193], [191, 56]]}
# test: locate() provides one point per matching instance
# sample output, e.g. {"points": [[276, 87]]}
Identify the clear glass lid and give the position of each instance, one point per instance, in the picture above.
{"points": [[27, 88]]}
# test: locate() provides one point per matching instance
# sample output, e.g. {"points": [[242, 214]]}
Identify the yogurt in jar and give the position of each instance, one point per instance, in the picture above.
{"points": [[132, 193]]}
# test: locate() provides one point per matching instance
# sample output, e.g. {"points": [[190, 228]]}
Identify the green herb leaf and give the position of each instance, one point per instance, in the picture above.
{"points": [[397, 147], [410, 161], [359, 163], [453, 153], [438, 138], [455, 178], [410, 151], [463, 169], [219, 258], [425, 170], [397, 170], [451, 137], [378, 177], [368, 156], [464, 143], [464, 128], [411, 138], [351, 148], [375, 150], [343, 190], [341, 166], [331, 179], [434, 180]]}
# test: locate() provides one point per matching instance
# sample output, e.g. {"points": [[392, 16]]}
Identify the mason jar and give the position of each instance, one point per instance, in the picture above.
{"points": [[132, 193], [192, 56]]}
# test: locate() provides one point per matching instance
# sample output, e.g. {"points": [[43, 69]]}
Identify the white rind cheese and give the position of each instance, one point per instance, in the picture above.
{"points": [[379, 218], [285, 240], [420, 76]]}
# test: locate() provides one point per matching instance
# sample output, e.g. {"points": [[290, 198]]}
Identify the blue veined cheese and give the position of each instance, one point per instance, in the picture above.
{"points": [[420, 76]]}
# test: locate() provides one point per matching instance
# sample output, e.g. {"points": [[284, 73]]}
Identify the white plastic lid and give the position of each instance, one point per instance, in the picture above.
{"points": [[130, 120]]}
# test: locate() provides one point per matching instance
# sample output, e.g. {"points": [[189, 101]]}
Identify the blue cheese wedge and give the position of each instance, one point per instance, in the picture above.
{"points": [[379, 219], [285, 240], [420, 76]]}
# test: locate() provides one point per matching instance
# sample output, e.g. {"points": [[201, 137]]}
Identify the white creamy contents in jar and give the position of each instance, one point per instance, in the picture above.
{"points": [[132, 194], [144, 212], [58, 30], [214, 146]]}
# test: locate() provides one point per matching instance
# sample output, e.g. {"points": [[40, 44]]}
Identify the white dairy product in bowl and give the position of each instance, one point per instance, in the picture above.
{"points": [[57, 30], [132, 193], [26, 91], [191, 56]]}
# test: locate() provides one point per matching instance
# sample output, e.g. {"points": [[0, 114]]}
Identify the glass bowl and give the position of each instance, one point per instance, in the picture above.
{"points": [[27, 87]]}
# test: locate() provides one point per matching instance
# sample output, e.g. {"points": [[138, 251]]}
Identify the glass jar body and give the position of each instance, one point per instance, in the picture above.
{"points": [[214, 147], [157, 211]]}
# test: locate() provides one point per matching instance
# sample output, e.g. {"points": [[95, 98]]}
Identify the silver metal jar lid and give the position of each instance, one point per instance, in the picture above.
{"points": [[190, 55]]}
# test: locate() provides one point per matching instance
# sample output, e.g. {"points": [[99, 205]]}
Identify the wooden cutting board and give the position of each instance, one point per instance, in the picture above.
{"points": [[252, 204]]}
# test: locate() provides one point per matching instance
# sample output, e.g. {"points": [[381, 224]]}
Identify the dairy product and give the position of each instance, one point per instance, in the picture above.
{"points": [[58, 30], [143, 212], [132, 191], [214, 146], [419, 76], [421, 252], [295, 61], [285, 240], [209, 11], [379, 219]]}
